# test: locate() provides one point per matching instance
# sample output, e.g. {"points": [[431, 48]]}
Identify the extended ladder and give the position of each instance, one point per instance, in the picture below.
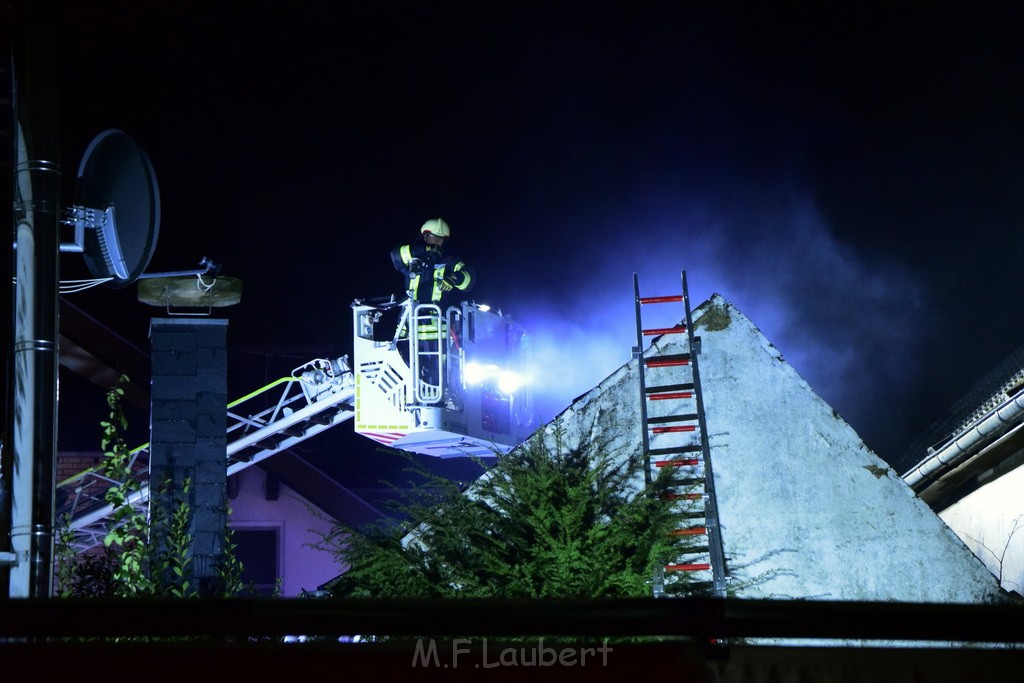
{"points": [[317, 396], [674, 436]]}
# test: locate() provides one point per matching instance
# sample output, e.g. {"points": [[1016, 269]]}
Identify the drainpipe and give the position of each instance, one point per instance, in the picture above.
{"points": [[37, 222], [964, 445]]}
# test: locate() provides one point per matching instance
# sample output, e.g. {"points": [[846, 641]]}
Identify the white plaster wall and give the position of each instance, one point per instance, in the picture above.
{"points": [[300, 524], [991, 522], [807, 510], [803, 501]]}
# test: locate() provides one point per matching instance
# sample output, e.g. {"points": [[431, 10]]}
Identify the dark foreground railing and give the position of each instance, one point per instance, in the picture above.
{"points": [[694, 638], [698, 618]]}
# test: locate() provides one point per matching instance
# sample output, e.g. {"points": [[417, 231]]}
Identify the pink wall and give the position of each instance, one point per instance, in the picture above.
{"points": [[298, 523]]}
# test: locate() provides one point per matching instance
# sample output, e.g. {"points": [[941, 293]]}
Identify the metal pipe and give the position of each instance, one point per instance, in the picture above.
{"points": [[36, 305], [7, 322]]}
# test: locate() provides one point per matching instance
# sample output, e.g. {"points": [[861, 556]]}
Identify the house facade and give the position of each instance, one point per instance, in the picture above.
{"points": [[275, 531], [967, 467], [807, 510]]}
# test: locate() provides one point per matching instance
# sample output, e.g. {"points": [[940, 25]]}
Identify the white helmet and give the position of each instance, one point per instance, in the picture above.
{"points": [[436, 226]]}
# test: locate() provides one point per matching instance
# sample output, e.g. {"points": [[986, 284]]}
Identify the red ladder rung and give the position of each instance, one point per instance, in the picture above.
{"points": [[676, 428], [664, 330], [666, 362], [670, 395], [698, 567], [676, 463], [661, 299], [692, 531], [682, 496]]}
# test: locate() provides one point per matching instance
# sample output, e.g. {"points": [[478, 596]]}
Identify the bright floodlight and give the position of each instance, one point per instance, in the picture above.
{"points": [[475, 373], [509, 382]]}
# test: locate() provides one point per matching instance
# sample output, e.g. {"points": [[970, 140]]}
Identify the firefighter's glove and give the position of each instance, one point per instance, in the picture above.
{"points": [[448, 282]]}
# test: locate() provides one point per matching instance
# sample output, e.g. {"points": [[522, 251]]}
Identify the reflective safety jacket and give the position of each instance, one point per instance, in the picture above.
{"points": [[430, 273]]}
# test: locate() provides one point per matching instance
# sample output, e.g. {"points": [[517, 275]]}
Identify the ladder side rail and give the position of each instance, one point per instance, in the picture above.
{"points": [[428, 315], [138, 460], [238, 421], [403, 322], [288, 442], [266, 417], [344, 396], [667, 391], [82, 499], [89, 521], [81, 496], [87, 537], [454, 378], [92, 524], [638, 353], [85, 540], [139, 456], [314, 380], [414, 354], [301, 415], [86, 489], [714, 531]]}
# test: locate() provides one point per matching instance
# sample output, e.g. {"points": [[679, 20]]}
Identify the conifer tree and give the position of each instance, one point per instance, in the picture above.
{"points": [[544, 521]]}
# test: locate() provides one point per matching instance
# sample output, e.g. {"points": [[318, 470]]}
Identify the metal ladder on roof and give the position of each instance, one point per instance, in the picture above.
{"points": [[674, 434]]}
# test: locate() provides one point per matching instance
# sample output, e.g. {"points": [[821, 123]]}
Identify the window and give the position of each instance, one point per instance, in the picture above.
{"points": [[258, 549]]}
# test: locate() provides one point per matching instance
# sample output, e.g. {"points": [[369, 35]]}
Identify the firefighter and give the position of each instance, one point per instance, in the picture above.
{"points": [[431, 273]]}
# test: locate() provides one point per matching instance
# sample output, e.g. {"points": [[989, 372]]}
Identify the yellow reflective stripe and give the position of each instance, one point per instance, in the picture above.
{"points": [[431, 328], [438, 291], [405, 253], [458, 268]]}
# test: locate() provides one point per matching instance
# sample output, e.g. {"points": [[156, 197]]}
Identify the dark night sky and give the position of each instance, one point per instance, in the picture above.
{"points": [[850, 178]]}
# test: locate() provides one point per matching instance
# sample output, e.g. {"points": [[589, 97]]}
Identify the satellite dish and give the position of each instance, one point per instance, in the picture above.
{"points": [[117, 209]]}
